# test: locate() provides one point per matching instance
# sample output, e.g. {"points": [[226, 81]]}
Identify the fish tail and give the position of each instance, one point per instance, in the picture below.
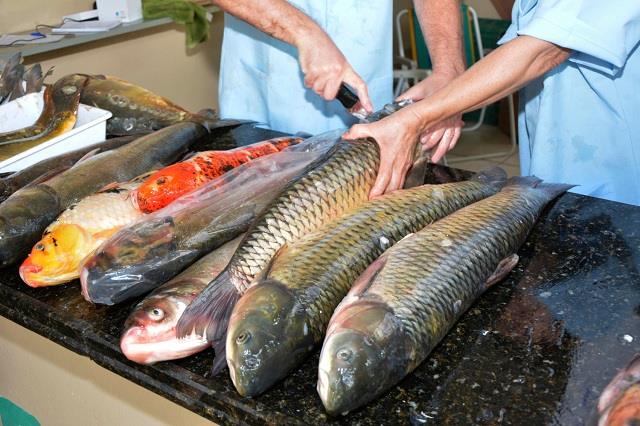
{"points": [[220, 358], [494, 176], [210, 312], [549, 190]]}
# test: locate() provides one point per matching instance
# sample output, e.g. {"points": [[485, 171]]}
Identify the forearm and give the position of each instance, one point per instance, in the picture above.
{"points": [[441, 24], [502, 72], [277, 18]]}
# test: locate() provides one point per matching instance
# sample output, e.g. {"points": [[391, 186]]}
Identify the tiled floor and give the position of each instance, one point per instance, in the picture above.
{"points": [[485, 140]]}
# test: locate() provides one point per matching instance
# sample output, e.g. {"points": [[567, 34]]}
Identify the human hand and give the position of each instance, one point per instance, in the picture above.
{"points": [[396, 136], [325, 68], [444, 134]]}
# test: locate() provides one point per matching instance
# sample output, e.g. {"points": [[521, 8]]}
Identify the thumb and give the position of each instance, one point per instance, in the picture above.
{"points": [[357, 131], [354, 80]]}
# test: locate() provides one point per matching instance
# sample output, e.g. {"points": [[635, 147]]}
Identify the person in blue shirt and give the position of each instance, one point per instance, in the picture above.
{"points": [[577, 64], [283, 60]]}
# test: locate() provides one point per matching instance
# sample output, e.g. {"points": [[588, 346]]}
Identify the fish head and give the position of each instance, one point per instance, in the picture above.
{"points": [[268, 335], [166, 185], [150, 331], [55, 259], [364, 353]]}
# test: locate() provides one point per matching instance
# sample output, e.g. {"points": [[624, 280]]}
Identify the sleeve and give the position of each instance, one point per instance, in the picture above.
{"points": [[602, 34]]}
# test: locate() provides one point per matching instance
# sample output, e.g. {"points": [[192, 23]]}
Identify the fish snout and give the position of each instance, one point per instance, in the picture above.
{"points": [[132, 345], [27, 271]]}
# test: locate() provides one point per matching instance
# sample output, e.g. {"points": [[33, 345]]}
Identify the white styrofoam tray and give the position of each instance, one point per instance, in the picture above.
{"points": [[90, 128]]}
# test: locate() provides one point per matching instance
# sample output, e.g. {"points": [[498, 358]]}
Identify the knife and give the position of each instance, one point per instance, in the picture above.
{"points": [[349, 99]]}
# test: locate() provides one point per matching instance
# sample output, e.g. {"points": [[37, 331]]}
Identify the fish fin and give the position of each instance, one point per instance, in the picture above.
{"points": [[109, 187], [531, 181], [208, 113], [415, 175], [212, 125], [87, 156], [210, 312], [553, 190], [220, 357], [46, 176], [505, 266], [494, 176]]}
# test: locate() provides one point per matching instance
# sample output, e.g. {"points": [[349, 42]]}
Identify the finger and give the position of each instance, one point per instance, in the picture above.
{"points": [[443, 147], [318, 85], [331, 89], [436, 135], [357, 131], [424, 137], [456, 137], [396, 181], [382, 181], [354, 80], [414, 93]]}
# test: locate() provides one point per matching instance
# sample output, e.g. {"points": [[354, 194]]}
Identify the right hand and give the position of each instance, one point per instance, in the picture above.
{"points": [[444, 134], [325, 68]]}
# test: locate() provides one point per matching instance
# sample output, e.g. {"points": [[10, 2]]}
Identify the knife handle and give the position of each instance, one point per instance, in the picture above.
{"points": [[346, 96]]}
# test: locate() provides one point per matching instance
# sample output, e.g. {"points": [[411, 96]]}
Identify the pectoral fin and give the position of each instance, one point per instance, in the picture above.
{"points": [[504, 267]]}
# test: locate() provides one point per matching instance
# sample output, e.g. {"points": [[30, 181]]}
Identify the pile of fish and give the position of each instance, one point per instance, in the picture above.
{"points": [[265, 252], [135, 110]]}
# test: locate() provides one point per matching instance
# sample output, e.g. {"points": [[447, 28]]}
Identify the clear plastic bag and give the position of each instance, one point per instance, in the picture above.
{"points": [[153, 250]]}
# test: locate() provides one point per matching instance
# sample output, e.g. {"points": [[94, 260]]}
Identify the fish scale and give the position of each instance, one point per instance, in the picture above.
{"points": [[326, 192], [421, 282], [287, 310], [407, 300], [322, 266]]}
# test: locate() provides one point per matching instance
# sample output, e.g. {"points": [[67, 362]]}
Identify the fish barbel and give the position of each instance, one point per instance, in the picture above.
{"points": [[337, 184], [135, 110], [150, 330], [619, 403], [154, 250], [77, 232], [27, 212], [409, 298], [283, 315], [170, 183]]}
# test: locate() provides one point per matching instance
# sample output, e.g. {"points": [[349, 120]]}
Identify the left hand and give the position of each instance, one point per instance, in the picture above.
{"points": [[397, 137]]}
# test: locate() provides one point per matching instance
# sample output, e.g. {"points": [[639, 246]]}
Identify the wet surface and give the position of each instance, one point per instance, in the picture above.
{"points": [[537, 348]]}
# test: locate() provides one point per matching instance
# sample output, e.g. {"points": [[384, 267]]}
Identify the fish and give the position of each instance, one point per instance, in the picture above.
{"points": [[58, 116], [49, 167], [139, 258], [135, 110], [619, 403], [408, 299], [149, 334], [337, 184], [78, 231], [170, 183], [28, 211], [283, 315]]}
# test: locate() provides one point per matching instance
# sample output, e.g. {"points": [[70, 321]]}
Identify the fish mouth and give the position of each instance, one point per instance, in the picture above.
{"points": [[29, 273], [84, 285], [138, 346]]}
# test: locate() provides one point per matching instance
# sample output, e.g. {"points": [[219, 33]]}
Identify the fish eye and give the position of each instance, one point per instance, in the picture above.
{"points": [[156, 314], [243, 337], [345, 355], [39, 247]]}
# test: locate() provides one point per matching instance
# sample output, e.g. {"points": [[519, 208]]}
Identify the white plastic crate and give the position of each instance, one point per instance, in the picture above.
{"points": [[90, 128]]}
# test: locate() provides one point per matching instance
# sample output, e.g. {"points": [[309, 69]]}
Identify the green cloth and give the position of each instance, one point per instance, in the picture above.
{"points": [[12, 415], [191, 15]]}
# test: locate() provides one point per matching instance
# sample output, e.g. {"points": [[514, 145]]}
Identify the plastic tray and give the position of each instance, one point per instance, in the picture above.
{"points": [[90, 128]]}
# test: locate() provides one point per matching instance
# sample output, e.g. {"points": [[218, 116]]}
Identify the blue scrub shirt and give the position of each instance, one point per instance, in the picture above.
{"points": [[260, 78], [580, 122]]}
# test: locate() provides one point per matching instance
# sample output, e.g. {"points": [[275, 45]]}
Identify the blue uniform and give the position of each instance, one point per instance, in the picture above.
{"points": [[580, 122], [260, 78]]}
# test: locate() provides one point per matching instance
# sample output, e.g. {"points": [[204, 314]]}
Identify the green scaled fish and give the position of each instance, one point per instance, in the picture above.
{"points": [[338, 183], [408, 299], [283, 316]]}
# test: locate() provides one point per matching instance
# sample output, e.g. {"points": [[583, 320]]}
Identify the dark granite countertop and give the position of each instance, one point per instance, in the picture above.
{"points": [[536, 349]]}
